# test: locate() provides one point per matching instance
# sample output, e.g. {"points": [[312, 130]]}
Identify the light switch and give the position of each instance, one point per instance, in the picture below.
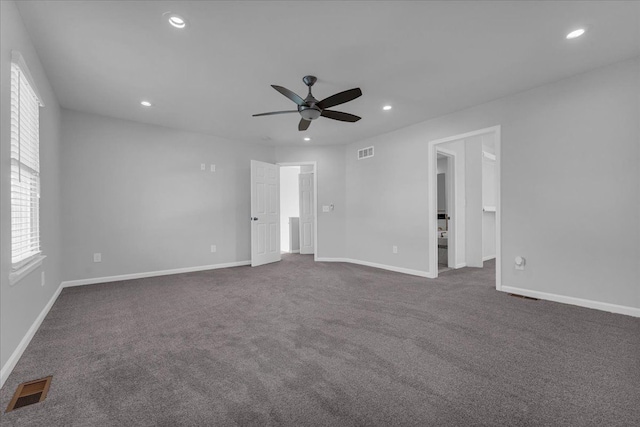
{"points": [[213, 168], [326, 208]]}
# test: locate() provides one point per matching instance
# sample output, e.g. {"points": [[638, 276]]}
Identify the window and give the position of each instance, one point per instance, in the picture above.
{"points": [[25, 167]]}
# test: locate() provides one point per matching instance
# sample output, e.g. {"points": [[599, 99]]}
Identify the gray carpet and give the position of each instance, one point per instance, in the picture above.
{"points": [[297, 343]]}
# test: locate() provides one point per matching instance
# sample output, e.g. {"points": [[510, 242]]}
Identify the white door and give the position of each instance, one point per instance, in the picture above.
{"points": [[265, 213], [307, 212]]}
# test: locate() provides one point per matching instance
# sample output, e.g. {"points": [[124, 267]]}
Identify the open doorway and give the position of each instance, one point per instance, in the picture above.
{"points": [[445, 208], [289, 209], [298, 208], [464, 195]]}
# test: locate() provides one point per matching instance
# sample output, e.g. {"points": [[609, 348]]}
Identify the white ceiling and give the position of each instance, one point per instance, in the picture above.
{"points": [[424, 58]]}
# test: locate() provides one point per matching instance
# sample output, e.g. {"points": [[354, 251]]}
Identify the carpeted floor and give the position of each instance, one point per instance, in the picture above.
{"points": [[300, 343]]}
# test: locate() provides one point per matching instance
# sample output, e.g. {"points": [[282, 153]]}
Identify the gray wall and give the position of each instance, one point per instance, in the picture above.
{"points": [[385, 195], [570, 155], [331, 190], [21, 303], [139, 198], [135, 193]]}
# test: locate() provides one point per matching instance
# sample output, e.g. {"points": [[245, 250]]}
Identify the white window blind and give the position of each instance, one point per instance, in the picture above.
{"points": [[25, 169]]}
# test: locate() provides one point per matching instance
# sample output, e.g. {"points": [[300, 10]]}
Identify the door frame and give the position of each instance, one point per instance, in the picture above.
{"points": [[432, 159], [315, 200], [450, 191]]}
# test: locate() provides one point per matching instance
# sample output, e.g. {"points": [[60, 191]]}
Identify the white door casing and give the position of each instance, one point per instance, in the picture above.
{"points": [[265, 213], [305, 186]]}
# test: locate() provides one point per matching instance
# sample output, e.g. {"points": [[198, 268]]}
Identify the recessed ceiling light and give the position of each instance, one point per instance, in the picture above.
{"points": [[145, 103], [176, 20], [576, 33], [387, 107], [306, 138]]}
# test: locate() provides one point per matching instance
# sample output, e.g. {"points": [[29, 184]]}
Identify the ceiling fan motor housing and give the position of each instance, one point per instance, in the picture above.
{"points": [[309, 111]]}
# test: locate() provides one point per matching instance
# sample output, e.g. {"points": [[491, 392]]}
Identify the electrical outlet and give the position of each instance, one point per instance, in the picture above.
{"points": [[42, 278], [214, 248], [203, 166], [213, 168], [394, 249], [97, 257]]}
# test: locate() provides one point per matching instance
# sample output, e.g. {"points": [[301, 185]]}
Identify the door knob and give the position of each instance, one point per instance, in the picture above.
{"points": [[255, 218]]}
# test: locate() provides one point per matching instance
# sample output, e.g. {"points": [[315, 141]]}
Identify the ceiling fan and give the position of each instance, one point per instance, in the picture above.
{"points": [[310, 108]]}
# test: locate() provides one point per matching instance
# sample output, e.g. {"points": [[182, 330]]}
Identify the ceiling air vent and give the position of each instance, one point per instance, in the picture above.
{"points": [[364, 153]]}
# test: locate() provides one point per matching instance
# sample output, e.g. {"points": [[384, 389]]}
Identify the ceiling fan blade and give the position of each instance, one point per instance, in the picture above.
{"points": [[292, 96], [275, 112], [304, 124], [339, 115], [340, 98]]}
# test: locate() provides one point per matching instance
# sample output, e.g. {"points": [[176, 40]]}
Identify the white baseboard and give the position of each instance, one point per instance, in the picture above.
{"points": [[295, 252], [381, 266], [460, 265], [604, 306], [325, 259], [132, 276], [488, 257], [17, 353]]}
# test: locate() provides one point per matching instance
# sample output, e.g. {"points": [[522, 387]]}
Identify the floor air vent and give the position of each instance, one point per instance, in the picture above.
{"points": [[523, 297], [29, 393]]}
